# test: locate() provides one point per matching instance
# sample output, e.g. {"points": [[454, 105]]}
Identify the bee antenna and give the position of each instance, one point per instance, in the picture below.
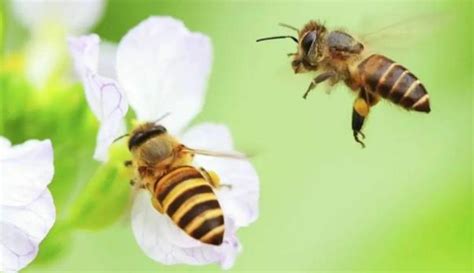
{"points": [[120, 137], [288, 26], [161, 118], [278, 37]]}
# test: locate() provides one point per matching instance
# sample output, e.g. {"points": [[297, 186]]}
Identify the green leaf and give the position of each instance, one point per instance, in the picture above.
{"points": [[106, 196], [55, 245]]}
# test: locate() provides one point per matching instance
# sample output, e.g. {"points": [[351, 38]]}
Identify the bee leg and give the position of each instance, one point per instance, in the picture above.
{"points": [[134, 184], [156, 204], [359, 112], [319, 79], [127, 163], [357, 122], [213, 179], [291, 54]]}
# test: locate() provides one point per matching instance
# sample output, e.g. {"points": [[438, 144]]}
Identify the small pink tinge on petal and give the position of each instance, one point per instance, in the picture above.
{"points": [[113, 108], [85, 52]]}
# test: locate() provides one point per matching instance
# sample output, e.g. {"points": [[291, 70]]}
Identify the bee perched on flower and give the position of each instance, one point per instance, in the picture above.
{"points": [[194, 213], [26, 205]]}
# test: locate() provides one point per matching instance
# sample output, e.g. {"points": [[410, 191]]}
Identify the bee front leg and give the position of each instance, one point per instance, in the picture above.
{"points": [[319, 79], [133, 183]]}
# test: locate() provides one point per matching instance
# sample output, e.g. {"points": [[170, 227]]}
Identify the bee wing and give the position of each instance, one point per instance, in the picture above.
{"points": [[239, 198], [164, 242], [230, 155], [164, 69], [404, 33]]}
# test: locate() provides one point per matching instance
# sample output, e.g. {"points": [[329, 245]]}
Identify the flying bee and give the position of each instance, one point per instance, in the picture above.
{"points": [[164, 167], [340, 57]]}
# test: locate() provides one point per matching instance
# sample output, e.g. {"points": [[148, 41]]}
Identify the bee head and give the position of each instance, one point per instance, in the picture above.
{"points": [[309, 46], [143, 133]]}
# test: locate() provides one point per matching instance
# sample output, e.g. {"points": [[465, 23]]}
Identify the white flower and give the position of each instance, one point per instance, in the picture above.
{"points": [[104, 95], [163, 67], [49, 22], [27, 210]]}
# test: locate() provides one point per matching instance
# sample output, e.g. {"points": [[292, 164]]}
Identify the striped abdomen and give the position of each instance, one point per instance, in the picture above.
{"points": [[188, 199], [392, 81]]}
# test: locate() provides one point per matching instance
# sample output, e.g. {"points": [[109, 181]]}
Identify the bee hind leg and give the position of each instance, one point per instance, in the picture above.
{"points": [[359, 113], [213, 179], [156, 204]]}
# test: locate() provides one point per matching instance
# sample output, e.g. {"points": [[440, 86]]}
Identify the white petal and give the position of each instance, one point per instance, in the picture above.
{"points": [[26, 171], [240, 201], [107, 59], [85, 55], [5, 145], [105, 97], [22, 230], [75, 16], [164, 68], [112, 106], [164, 242]]}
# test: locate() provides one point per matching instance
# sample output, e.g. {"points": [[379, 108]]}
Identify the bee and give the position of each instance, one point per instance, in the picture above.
{"points": [[164, 167], [340, 57]]}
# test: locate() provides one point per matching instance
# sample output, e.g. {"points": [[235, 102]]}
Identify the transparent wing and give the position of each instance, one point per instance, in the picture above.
{"points": [[401, 34], [230, 155], [239, 198]]}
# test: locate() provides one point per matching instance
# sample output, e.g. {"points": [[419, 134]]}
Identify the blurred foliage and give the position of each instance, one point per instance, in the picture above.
{"points": [[57, 244], [106, 196]]}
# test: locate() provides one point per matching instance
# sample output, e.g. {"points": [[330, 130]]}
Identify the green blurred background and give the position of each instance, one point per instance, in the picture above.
{"points": [[402, 204]]}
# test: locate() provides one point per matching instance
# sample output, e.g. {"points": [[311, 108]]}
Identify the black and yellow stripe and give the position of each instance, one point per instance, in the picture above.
{"points": [[392, 81], [188, 199]]}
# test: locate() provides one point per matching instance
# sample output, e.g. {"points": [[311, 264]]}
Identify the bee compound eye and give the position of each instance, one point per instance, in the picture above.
{"points": [[308, 41]]}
